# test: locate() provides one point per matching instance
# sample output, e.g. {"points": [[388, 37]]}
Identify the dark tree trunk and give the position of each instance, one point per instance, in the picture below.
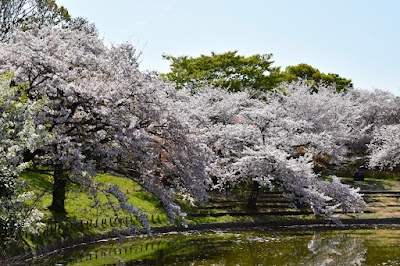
{"points": [[252, 202], [59, 189]]}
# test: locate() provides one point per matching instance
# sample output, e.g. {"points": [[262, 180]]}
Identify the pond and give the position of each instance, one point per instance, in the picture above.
{"points": [[256, 247]]}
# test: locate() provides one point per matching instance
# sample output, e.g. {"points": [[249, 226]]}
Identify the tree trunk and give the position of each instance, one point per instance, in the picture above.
{"points": [[59, 189], [252, 202]]}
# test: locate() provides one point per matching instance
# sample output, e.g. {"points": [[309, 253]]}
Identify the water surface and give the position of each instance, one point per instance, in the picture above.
{"points": [[256, 247]]}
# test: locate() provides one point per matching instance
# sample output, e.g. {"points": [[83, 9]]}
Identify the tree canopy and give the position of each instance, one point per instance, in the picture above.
{"points": [[236, 73], [311, 74], [227, 70]]}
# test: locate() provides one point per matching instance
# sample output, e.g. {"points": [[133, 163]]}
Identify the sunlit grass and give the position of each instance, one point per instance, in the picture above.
{"points": [[88, 213], [82, 205]]}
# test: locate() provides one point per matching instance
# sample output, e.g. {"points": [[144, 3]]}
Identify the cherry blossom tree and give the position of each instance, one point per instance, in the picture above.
{"points": [[385, 147], [380, 111], [253, 140], [378, 107], [106, 116], [18, 134], [332, 121], [356, 125]]}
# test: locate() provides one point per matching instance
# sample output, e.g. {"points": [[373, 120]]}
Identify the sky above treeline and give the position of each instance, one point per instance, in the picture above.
{"points": [[357, 39]]}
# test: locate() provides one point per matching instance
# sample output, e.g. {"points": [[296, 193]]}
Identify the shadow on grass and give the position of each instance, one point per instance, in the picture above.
{"points": [[38, 180]]}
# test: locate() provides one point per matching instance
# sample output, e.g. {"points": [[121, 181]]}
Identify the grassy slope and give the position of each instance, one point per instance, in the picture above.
{"points": [[80, 206]]}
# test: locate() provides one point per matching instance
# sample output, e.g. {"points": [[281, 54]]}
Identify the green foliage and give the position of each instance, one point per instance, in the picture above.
{"points": [[236, 72], [312, 74], [227, 70]]}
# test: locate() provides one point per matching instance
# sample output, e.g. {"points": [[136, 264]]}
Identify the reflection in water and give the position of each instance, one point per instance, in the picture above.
{"points": [[340, 249], [256, 247]]}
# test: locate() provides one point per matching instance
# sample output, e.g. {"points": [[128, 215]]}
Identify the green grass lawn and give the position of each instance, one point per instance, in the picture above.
{"points": [[81, 205], [83, 209]]}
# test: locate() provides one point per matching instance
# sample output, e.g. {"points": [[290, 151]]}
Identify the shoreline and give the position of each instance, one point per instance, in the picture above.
{"points": [[282, 225]]}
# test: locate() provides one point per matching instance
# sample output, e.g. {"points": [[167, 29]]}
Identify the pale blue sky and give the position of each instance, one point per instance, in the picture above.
{"points": [[358, 39]]}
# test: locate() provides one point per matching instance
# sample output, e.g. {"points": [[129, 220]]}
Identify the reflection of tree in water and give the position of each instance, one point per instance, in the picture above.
{"points": [[337, 249], [322, 249]]}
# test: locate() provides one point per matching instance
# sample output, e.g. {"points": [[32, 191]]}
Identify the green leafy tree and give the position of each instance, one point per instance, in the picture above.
{"points": [[227, 70], [312, 74], [25, 13]]}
